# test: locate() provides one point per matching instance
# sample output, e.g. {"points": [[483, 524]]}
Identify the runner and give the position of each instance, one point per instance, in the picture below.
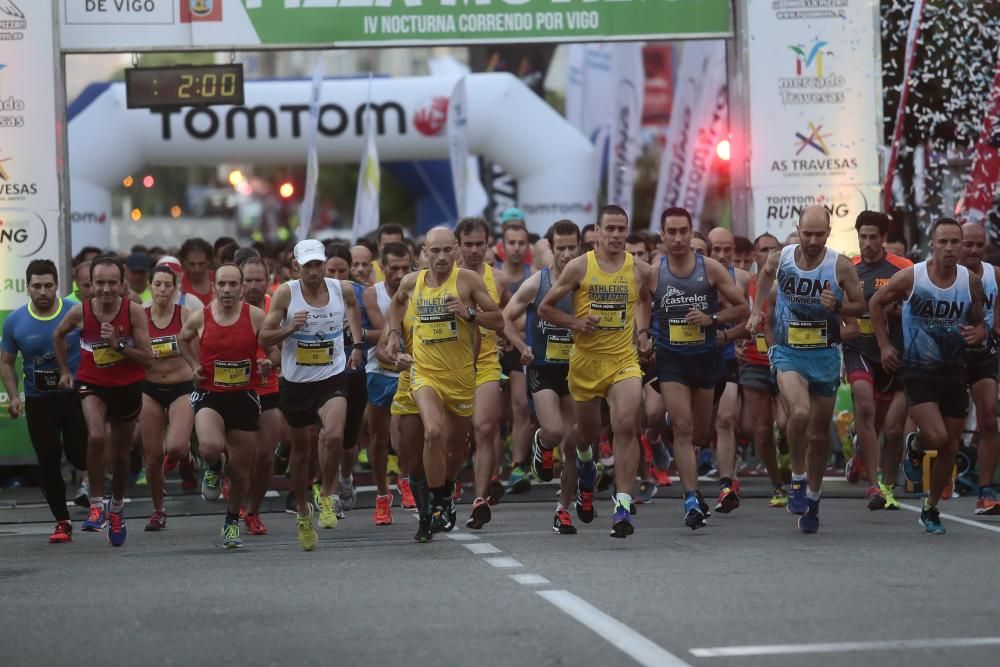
{"points": [[166, 419], [815, 286], [942, 318], [611, 304], [545, 351], [195, 254], [443, 375], [361, 265], [114, 353], [54, 415], [307, 319], [686, 291], [226, 407], [879, 405], [386, 234]]}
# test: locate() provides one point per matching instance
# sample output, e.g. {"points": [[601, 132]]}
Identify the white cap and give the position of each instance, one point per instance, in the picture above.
{"points": [[309, 250], [172, 262]]}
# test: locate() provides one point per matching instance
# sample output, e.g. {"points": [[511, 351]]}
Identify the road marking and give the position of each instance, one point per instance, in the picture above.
{"points": [[482, 548], [461, 537], [530, 579], [616, 633], [952, 517], [893, 644], [502, 561]]}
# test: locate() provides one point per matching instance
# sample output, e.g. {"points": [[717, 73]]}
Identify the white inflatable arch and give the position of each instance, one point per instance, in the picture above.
{"points": [[507, 123]]}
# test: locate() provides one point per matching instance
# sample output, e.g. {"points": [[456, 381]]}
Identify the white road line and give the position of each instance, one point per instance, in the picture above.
{"points": [[482, 548], [502, 562], [530, 579], [893, 644], [616, 633], [461, 537], [952, 517]]}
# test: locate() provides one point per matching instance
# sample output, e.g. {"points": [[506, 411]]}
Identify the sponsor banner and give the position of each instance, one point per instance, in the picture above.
{"points": [[815, 106], [658, 61], [777, 210], [589, 108], [458, 146], [226, 23], [366, 200], [625, 121], [312, 159]]}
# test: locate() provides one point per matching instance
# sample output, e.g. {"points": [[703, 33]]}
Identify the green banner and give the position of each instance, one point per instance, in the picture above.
{"points": [[15, 447]]}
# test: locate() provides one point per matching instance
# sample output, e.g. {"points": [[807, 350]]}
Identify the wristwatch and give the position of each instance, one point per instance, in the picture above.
{"points": [[715, 318], [121, 344], [471, 314]]}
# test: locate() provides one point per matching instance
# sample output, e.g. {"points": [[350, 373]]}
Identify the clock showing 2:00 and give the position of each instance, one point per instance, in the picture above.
{"points": [[183, 85]]}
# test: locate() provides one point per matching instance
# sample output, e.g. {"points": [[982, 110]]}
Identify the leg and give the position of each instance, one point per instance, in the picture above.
{"points": [[95, 414], [378, 445], [241, 456], [984, 393], [944, 463], [820, 414], [758, 406], [794, 392], [520, 418], [864, 424], [624, 401], [892, 449], [725, 431], [44, 417], [435, 449], [121, 446], [263, 459], [151, 424], [567, 481], [680, 404], [331, 441], [485, 425], [302, 442]]}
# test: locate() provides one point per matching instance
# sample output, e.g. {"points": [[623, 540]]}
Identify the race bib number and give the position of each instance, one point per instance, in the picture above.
{"points": [[438, 328], [46, 379], [557, 348], [165, 347], [231, 373], [612, 315], [761, 343], [806, 335], [682, 333], [105, 355], [865, 326], [314, 353]]}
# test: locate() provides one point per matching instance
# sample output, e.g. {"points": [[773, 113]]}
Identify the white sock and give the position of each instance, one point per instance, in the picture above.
{"points": [[97, 501], [560, 507], [812, 495], [798, 478], [117, 504]]}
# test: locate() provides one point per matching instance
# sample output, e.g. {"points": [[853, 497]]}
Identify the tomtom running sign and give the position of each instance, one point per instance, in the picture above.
{"points": [[156, 24]]}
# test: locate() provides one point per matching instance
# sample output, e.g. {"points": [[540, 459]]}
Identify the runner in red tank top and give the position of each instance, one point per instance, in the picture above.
{"points": [[114, 354], [227, 409], [195, 255]]}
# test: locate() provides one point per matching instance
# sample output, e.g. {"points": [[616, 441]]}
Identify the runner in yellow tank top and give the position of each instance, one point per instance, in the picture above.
{"points": [[448, 304], [473, 238], [611, 303]]}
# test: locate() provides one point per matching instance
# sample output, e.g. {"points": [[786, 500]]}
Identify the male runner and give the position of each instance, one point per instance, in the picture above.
{"points": [[307, 318], [815, 286], [545, 350], [195, 255], [386, 234], [361, 265], [942, 317], [54, 415], [879, 405], [443, 376], [610, 308], [686, 290], [114, 353], [226, 407]]}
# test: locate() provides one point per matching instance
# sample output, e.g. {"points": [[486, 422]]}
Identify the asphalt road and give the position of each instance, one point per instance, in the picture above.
{"points": [[512, 594]]}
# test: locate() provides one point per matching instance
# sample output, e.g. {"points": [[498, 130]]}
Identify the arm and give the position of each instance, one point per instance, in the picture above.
{"points": [[8, 373], [271, 331], [357, 356], [189, 333], [897, 289], [736, 308], [474, 288], [765, 279], [975, 332], [375, 317], [996, 307], [397, 309], [569, 281], [643, 308], [513, 312], [849, 329], [73, 320], [141, 352], [847, 276]]}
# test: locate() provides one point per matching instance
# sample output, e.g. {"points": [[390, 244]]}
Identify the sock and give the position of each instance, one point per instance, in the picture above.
{"points": [[927, 504], [449, 489], [813, 495], [798, 478], [232, 518], [117, 505], [561, 508], [347, 481], [984, 489], [437, 496], [690, 494], [97, 501], [585, 456], [623, 500], [725, 482], [420, 492]]}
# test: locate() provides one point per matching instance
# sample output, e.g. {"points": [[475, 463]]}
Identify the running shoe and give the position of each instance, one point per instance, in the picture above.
{"points": [[392, 470], [255, 526], [457, 493], [660, 477], [157, 522], [585, 510], [586, 474], [445, 520], [519, 481], [306, 531], [383, 510], [140, 479], [189, 474], [424, 533], [605, 478], [890, 498], [82, 498], [661, 457], [338, 507], [316, 492], [327, 515], [855, 469], [647, 490], [797, 501], [702, 505], [729, 498], [348, 496], [605, 452], [481, 514], [541, 460], [231, 535], [96, 521], [406, 499], [809, 521], [63, 533], [116, 528], [562, 523], [779, 497], [282, 455], [694, 517], [987, 505], [621, 522], [874, 498], [211, 485], [930, 519], [494, 491], [913, 459]]}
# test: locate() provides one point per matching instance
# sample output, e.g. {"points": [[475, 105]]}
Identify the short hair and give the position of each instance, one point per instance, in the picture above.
{"points": [[339, 250], [243, 254], [515, 225], [611, 209], [635, 237], [562, 228], [676, 212], [82, 266], [701, 236], [941, 222], [84, 251], [195, 245], [108, 260], [414, 249], [222, 242], [224, 265], [765, 235], [533, 238], [256, 261], [470, 225], [742, 245], [873, 219], [227, 254], [138, 247], [395, 249], [390, 230], [585, 247], [163, 268], [589, 227], [41, 267]]}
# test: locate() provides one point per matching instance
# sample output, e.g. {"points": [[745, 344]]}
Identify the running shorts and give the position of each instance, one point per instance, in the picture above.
{"points": [[240, 410], [402, 400], [488, 372], [510, 362], [950, 393], [861, 369], [591, 377], [457, 393], [270, 401], [729, 371], [301, 401], [166, 394], [381, 389], [820, 367], [357, 401], [758, 378], [552, 377], [697, 371], [122, 404], [981, 364]]}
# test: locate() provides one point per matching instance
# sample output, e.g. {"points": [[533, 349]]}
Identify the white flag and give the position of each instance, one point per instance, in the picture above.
{"points": [[626, 118], [312, 160], [589, 107], [458, 146], [697, 122], [369, 181]]}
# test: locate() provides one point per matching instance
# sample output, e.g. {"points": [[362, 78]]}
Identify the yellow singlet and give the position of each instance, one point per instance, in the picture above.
{"points": [[402, 401], [377, 275], [488, 337], [612, 297], [442, 341]]}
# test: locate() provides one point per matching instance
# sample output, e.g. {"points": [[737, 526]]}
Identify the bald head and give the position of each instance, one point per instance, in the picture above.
{"points": [[439, 249], [973, 245], [723, 245], [814, 230], [814, 216], [440, 235], [361, 265]]}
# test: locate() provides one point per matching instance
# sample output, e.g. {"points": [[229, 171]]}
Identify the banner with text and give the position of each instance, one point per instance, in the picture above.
{"points": [[626, 118], [777, 210]]}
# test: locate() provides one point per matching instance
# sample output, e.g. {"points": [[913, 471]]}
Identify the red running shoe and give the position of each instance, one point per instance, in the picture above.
{"points": [[407, 501], [157, 522], [189, 474], [254, 524], [62, 534], [661, 477]]}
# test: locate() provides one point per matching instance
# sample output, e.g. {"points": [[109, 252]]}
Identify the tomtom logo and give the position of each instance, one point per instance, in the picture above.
{"points": [[431, 116], [23, 233], [88, 217], [563, 208]]}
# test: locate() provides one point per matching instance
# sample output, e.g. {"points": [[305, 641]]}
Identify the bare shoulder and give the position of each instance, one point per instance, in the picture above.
{"points": [[500, 278]]}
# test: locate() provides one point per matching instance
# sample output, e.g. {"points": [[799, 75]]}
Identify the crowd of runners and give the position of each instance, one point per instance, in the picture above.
{"points": [[598, 355]]}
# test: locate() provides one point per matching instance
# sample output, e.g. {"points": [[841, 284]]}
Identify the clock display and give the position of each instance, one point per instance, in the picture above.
{"points": [[183, 85]]}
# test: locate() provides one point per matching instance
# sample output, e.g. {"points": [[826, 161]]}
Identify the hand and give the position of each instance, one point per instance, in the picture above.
{"points": [[827, 299], [264, 366], [392, 345], [753, 322], [108, 334], [721, 337], [299, 319], [504, 344], [403, 361], [645, 346], [456, 307], [973, 335], [741, 351], [587, 324], [527, 356], [890, 358], [65, 380], [16, 408], [698, 318], [197, 376], [356, 359]]}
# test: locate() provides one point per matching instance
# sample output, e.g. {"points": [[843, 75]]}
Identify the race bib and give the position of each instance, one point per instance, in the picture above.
{"points": [[314, 353], [46, 379], [865, 325], [437, 328], [761, 343], [682, 333], [612, 315], [231, 373], [557, 348], [165, 347], [105, 355], [806, 335]]}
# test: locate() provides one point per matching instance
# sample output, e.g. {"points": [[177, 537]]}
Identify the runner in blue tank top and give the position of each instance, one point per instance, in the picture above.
{"points": [[815, 285], [942, 318]]}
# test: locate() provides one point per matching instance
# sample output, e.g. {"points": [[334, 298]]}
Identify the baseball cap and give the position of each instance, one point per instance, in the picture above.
{"points": [[171, 263], [137, 261], [512, 213], [309, 250]]}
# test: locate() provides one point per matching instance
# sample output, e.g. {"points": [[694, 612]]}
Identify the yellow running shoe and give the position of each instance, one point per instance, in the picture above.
{"points": [[307, 534], [392, 466], [779, 498], [890, 500], [327, 517]]}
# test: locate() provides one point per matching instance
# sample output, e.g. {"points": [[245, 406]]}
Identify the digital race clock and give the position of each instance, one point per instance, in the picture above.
{"points": [[183, 85]]}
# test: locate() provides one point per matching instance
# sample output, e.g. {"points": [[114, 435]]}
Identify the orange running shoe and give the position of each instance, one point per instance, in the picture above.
{"points": [[62, 534], [383, 510], [254, 524], [407, 501]]}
